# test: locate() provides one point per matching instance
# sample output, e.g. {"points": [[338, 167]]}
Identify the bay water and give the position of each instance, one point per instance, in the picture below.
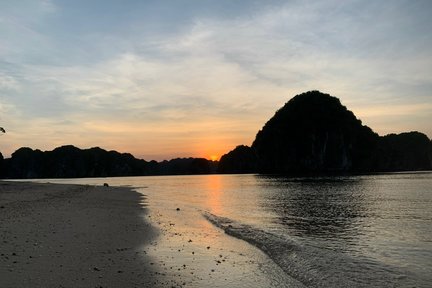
{"points": [[346, 231]]}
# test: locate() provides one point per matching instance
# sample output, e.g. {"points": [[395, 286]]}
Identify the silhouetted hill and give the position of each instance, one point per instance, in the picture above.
{"points": [[312, 133], [72, 162], [183, 166], [315, 133], [404, 152], [240, 160]]}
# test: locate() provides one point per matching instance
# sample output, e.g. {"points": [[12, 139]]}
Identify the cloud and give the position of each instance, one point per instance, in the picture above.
{"points": [[212, 79], [8, 83]]}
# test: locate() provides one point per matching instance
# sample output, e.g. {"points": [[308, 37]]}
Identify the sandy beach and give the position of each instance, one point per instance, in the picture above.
{"points": [[73, 236], [67, 235]]}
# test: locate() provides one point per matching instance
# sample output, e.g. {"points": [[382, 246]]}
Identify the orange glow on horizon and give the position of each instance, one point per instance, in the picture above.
{"points": [[212, 148]]}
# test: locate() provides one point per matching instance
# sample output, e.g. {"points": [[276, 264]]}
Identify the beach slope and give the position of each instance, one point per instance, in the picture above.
{"points": [[73, 236]]}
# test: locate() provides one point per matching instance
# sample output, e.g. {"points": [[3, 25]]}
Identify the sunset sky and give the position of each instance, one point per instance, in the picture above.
{"points": [[166, 79]]}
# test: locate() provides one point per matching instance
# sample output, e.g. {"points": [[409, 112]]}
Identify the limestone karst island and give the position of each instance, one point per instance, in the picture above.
{"points": [[313, 133]]}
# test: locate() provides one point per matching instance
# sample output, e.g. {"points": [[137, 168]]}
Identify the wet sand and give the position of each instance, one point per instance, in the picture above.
{"points": [[192, 252], [74, 236]]}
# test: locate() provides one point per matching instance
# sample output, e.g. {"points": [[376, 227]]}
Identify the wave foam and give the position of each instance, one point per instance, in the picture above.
{"points": [[313, 266]]}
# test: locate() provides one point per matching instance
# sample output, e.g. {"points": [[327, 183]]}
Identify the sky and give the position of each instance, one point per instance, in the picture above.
{"points": [[195, 78]]}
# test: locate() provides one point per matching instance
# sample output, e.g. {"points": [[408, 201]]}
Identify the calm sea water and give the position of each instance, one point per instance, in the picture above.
{"points": [[353, 231]]}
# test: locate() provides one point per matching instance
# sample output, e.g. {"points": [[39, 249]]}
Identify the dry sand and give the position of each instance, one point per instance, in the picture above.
{"points": [[73, 236]]}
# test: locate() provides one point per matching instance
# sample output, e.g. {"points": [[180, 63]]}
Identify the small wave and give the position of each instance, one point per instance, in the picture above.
{"points": [[313, 266]]}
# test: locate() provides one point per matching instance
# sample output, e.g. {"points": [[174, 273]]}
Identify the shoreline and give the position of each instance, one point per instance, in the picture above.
{"points": [[189, 251], [57, 235]]}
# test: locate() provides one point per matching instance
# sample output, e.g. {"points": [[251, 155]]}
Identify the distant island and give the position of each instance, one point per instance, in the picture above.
{"points": [[313, 133], [72, 162]]}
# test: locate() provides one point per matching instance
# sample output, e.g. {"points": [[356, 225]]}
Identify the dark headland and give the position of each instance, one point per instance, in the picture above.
{"points": [[312, 133], [315, 133]]}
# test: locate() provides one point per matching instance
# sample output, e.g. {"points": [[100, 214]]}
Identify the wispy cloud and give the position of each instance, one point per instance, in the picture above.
{"points": [[8, 82]]}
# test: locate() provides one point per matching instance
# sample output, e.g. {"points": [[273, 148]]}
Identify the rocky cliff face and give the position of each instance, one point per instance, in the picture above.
{"points": [[314, 132]]}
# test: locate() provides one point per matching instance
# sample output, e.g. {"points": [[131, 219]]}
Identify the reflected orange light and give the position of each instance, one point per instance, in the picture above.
{"points": [[214, 185]]}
